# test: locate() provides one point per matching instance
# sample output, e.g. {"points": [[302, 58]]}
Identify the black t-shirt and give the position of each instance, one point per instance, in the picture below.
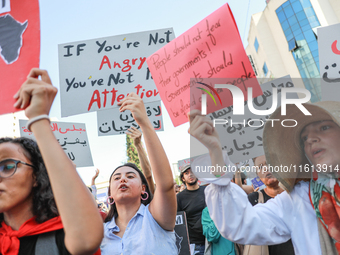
{"points": [[193, 203], [279, 249], [27, 244]]}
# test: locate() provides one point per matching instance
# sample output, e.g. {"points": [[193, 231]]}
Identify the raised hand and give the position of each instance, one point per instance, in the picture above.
{"points": [[135, 134], [35, 95], [201, 127], [135, 104]]}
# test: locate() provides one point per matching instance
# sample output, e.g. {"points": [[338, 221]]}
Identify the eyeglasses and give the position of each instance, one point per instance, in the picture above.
{"points": [[8, 167]]}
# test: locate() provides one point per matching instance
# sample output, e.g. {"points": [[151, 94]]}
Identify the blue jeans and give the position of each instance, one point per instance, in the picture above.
{"points": [[199, 249]]}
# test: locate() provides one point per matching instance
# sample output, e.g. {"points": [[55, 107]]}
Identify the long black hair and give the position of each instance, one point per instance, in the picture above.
{"points": [[113, 213], [44, 206]]}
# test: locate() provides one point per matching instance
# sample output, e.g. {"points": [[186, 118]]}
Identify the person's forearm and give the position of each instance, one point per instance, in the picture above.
{"points": [[82, 223], [145, 165]]}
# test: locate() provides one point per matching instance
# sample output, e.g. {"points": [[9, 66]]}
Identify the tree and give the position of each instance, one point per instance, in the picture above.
{"points": [[131, 152]]}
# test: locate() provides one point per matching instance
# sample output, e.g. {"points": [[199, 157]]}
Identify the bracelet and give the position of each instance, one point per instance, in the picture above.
{"points": [[36, 118]]}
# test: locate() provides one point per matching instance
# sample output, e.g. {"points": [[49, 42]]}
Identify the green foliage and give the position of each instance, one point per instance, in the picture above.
{"points": [[131, 152]]}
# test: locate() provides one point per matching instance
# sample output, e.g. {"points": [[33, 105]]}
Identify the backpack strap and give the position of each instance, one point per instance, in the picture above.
{"points": [[261, 198], [46, 244]]}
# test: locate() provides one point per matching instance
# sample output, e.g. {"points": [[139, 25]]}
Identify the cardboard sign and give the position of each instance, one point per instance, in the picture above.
{"points": [[182, 235], [211, 48], [114, 122], [97, 74], [72, 137], [241, 136], [329, 55], [19, 47]]}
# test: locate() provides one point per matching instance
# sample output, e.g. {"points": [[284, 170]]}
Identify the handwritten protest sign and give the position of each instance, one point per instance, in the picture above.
{"points": [[19, 47], [97, 74], [72, 137], [211, 48], [329, 55], [181, 233], [241, 136], [114, 122]]}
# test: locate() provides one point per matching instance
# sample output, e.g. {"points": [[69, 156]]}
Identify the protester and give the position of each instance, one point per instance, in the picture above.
{"points": [[218, 244], [271, 190], [308, 213], [136, 135], [239, 178], [93, 184], [37, 184], [192, 202], [136, 223]]}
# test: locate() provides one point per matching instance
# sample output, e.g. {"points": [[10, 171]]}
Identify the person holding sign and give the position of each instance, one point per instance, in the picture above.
{"points": [[40, 189], [136, 222], [308, 211]]}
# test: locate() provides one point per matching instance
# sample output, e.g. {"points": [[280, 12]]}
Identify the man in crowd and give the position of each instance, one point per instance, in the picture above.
{"points": [[192, 201]]}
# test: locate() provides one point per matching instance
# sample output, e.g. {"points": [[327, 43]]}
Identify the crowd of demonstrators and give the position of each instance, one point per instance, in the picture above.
{"points": [[136, 135], [271, 190], [45, 208], [307, 212], [137, 222], [192, 201]]}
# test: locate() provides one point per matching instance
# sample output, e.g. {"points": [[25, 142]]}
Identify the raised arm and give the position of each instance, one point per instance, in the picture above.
{"points": [[163, 207], [228, 205], [143, 158], [83, 225]]}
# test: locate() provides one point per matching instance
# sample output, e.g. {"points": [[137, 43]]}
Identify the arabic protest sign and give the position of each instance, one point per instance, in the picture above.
{"points": [[329, 55], [72, 137], [181, 233], [20, 47], [241, 136], [184, 162], [114, 122], [97, 74], [211, 48]]}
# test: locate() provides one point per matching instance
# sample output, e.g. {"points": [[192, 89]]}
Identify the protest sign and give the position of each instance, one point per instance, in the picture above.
{"points": [[96, 74], [20, 47], [181, 232], [72, 137], [114, 122], [329, 55], [241, 135], [257, 183], [211, 48]]}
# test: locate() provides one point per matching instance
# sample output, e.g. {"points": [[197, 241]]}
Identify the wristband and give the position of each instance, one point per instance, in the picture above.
{"points": [[36, 118]]}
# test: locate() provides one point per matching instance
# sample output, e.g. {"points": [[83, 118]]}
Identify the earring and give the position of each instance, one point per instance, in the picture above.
{"points": [[147, 195], [109, 200]]}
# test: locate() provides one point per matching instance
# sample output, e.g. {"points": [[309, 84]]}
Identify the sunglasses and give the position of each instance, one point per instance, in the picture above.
{"points": [[8, 167]]}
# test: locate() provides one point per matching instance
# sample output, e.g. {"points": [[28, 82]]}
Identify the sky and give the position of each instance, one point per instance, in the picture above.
{"points": [[65, 21]]}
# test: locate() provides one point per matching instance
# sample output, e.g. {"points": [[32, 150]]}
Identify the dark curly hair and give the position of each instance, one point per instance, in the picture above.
{"points": [[113, 209], [44, 206]]}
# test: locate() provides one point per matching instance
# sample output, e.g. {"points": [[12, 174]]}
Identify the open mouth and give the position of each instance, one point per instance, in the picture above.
{"points": [[122, 187]]}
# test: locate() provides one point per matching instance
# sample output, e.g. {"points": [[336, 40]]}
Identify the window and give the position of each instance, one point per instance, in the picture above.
{"points": [[256, 44], [265, 69], [292, 44]]}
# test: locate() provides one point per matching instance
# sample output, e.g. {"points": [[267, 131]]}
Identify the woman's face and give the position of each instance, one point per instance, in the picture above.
{"points": [[126, 185], [16, 190], [321, 142]]}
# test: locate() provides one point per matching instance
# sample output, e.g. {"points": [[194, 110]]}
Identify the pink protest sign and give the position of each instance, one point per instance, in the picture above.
{"points": [[210, 49]]}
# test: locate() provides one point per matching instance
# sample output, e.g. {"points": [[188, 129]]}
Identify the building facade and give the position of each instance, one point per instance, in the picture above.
{"points": [[282, 40]]}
